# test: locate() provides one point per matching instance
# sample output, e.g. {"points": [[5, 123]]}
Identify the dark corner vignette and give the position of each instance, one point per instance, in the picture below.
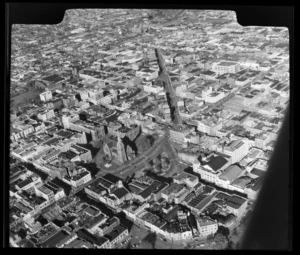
{"points": [[124, 148]]}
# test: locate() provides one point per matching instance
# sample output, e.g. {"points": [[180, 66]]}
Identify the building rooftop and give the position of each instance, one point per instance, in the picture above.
{"points": [[174, 188], [115, 232], [242, 181], [216, 162], [120, 192], [151, 189], [231, 173], [55, 239], [95, 221], [24, 183], [235, 202], [206, 221], [258, 172], [170, 215], [44, 189], [96, 187]]}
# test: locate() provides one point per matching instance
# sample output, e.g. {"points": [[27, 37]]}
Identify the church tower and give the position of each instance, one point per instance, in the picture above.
{"points": [[121, 151]]}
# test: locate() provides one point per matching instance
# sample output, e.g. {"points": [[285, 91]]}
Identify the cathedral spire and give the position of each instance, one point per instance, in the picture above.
{"points": [[121, 150]]}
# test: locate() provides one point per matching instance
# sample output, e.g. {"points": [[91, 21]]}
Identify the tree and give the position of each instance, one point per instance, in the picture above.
{"points": [[234, 232], [221, 241], [210, 237], [150, 140], [230, 246], [224, 231], [151, 239]]}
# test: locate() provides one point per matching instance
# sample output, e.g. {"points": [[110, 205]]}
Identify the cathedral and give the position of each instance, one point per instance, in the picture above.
{"points": [[114, 150]]}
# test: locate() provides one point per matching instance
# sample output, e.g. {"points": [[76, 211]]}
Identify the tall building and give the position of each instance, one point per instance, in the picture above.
{"points": [[170, 93]]}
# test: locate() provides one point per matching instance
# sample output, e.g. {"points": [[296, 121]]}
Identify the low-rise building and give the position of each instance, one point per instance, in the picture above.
{"points": [[236, 205], [236, 149], [117, 235], [211, 166], [99, 241], [228, 176], [175, 190], [77, 177], [207, 226]]}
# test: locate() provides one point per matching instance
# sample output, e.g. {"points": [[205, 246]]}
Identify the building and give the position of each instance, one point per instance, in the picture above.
{"points": [[46, 193], [211, 167], [131, 210], [236, 150], [46, 96], [236, 205], [77, 177], [225, 67], [98, 241], [178, 135], [93, 225], [28, 183], [46, 114], [116, 197], [95, 189], [207, 226], [117, 235], [184, 178], [107, 226], [175, 190], [67, 240], [228, 176]]}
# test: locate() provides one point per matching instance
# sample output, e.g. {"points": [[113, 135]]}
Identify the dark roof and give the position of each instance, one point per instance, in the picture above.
{"points": [[24, 183], [192, 221], [120, 192], [86, 235], [222, 196], [256, 183], [172, 213], [258, 172], [95, 221], [112, 178], [223, 218], [235, 202], [52, 241], [217, 162], [148, 191], [91, 210], [115, 232]]}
